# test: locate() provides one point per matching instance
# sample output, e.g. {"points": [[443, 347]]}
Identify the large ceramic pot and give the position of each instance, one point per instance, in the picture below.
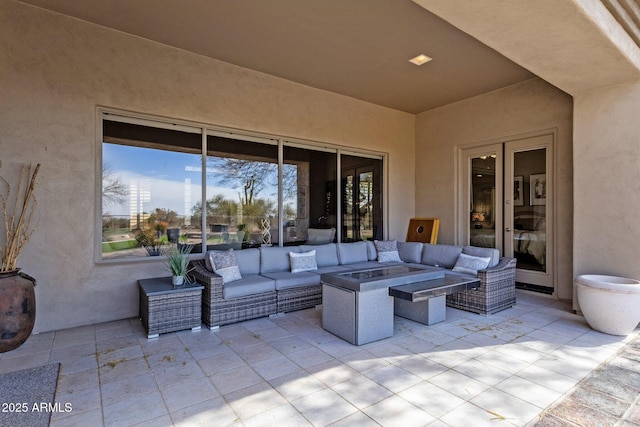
{"points": [[17, 309], [610, 304]]}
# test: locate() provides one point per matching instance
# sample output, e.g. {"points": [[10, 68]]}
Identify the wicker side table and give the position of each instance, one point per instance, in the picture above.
{"points": [[165, 308]]}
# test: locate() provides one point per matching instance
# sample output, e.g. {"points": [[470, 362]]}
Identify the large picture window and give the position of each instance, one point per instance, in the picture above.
{"points": [[167, 184]]}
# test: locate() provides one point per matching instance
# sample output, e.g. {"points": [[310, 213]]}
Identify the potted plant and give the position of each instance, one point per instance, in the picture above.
{"points": [[17, 295], [178, 262], [149, 240]]}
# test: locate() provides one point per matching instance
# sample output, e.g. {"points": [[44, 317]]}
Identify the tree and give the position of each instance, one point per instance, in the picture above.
{"points": [[254, 176], [113, 190], [219, 210], [169, 216]]}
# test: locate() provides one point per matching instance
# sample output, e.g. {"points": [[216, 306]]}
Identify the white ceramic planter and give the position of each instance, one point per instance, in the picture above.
{"points": [[610, 304]]}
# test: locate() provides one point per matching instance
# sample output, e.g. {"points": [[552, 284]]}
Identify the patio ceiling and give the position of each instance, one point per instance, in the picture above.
{"points": [[359, 48]]}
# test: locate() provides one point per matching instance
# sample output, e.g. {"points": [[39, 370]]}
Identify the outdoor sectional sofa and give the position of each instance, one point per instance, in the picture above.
{"points": [[267, 285]]}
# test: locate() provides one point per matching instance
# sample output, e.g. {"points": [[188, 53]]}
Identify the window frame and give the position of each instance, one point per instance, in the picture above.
{"points": [[206, 129]]}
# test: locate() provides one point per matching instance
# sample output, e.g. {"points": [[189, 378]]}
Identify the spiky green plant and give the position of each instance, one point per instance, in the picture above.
{"points": [[178, 259]]}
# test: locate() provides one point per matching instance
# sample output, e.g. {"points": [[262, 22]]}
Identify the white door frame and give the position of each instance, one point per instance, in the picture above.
{"points": [[464, 191], [504, 211], [542, 141]]}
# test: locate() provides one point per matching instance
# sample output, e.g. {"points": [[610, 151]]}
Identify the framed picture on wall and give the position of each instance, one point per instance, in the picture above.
{"points": [[518, 191], [538, 189]]}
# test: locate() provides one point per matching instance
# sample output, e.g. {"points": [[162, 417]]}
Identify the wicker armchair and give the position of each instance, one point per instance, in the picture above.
{"points": [[497, 290], [218, 311]]}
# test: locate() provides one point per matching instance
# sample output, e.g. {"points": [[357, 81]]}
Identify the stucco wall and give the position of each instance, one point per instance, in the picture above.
{"points": [[55, 71], [515, 110], [607, 181]]}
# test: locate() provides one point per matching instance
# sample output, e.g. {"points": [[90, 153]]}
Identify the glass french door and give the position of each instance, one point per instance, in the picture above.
{"points": [[480, 218], [528, 205], [505, 201]]}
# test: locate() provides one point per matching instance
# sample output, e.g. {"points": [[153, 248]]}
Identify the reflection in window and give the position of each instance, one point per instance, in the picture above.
{"points": [[152, 194], [362, 198], [149, 189]]}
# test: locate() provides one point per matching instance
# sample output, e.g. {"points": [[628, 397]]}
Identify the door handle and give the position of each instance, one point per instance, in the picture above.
{"points": [[507, 229]]}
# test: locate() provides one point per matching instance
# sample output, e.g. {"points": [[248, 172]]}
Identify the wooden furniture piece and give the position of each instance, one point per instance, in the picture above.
{"points": [[168, 308], [423, 230]]}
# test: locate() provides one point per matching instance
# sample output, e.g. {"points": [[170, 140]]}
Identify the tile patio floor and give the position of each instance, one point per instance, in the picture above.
{"points": [[505, 369]]}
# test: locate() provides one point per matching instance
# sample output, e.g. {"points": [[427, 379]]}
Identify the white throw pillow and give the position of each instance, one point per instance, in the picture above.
{"points": [[471, 264], [303, 261], [225, 265], [387, 250]]}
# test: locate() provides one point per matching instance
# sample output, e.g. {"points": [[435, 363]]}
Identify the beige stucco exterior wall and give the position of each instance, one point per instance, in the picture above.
{"points": [[607, 181], [56, 70], [497, 116]]}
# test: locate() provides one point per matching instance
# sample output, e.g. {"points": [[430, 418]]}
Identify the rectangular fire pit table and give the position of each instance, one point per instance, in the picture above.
{"points": [[356, 305], [425, 302]]}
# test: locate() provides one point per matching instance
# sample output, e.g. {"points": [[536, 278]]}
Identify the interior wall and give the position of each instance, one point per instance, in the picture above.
{"points": [[607, 181], [56, 70], [497, 116]]}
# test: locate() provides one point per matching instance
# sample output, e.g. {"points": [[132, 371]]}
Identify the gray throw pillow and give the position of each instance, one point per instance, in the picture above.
{"points": [[303, 261], [471, 264], [224, 264], [387, 250]]}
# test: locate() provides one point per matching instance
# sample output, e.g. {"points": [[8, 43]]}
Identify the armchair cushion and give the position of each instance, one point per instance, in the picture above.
{"points": [[349, 253], [274, 259], [410, 251], [249, 285], [492, 253], [440, 255], [326, 255], [320, 236]]}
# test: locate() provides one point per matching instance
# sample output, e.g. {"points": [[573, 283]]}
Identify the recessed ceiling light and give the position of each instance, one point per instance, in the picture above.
{"points": [[420, 59]]}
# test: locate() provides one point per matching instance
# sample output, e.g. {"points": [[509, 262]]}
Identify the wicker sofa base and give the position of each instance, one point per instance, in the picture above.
{"points": [[299, 298], [497, 291], [477, 301], [223, 312]]}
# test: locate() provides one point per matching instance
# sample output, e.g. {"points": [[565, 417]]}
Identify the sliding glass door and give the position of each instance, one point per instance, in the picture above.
{"points": [[361, 198]]}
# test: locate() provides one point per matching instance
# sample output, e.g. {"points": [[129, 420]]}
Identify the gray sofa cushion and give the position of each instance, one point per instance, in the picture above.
{"points": [[440, 255], [248, 285], [372, 253], [349, 253], [371, 264], [332, 269], [410, 251], [492, 253], [326, 255], [248, 261], [287, 280], [274, 259]]}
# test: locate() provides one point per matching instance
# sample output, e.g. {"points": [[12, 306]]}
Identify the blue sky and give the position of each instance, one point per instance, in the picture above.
{"points": [[162, 173]]}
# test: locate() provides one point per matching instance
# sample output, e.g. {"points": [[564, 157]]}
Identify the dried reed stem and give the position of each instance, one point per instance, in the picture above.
{"points": [[18, 217]]}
